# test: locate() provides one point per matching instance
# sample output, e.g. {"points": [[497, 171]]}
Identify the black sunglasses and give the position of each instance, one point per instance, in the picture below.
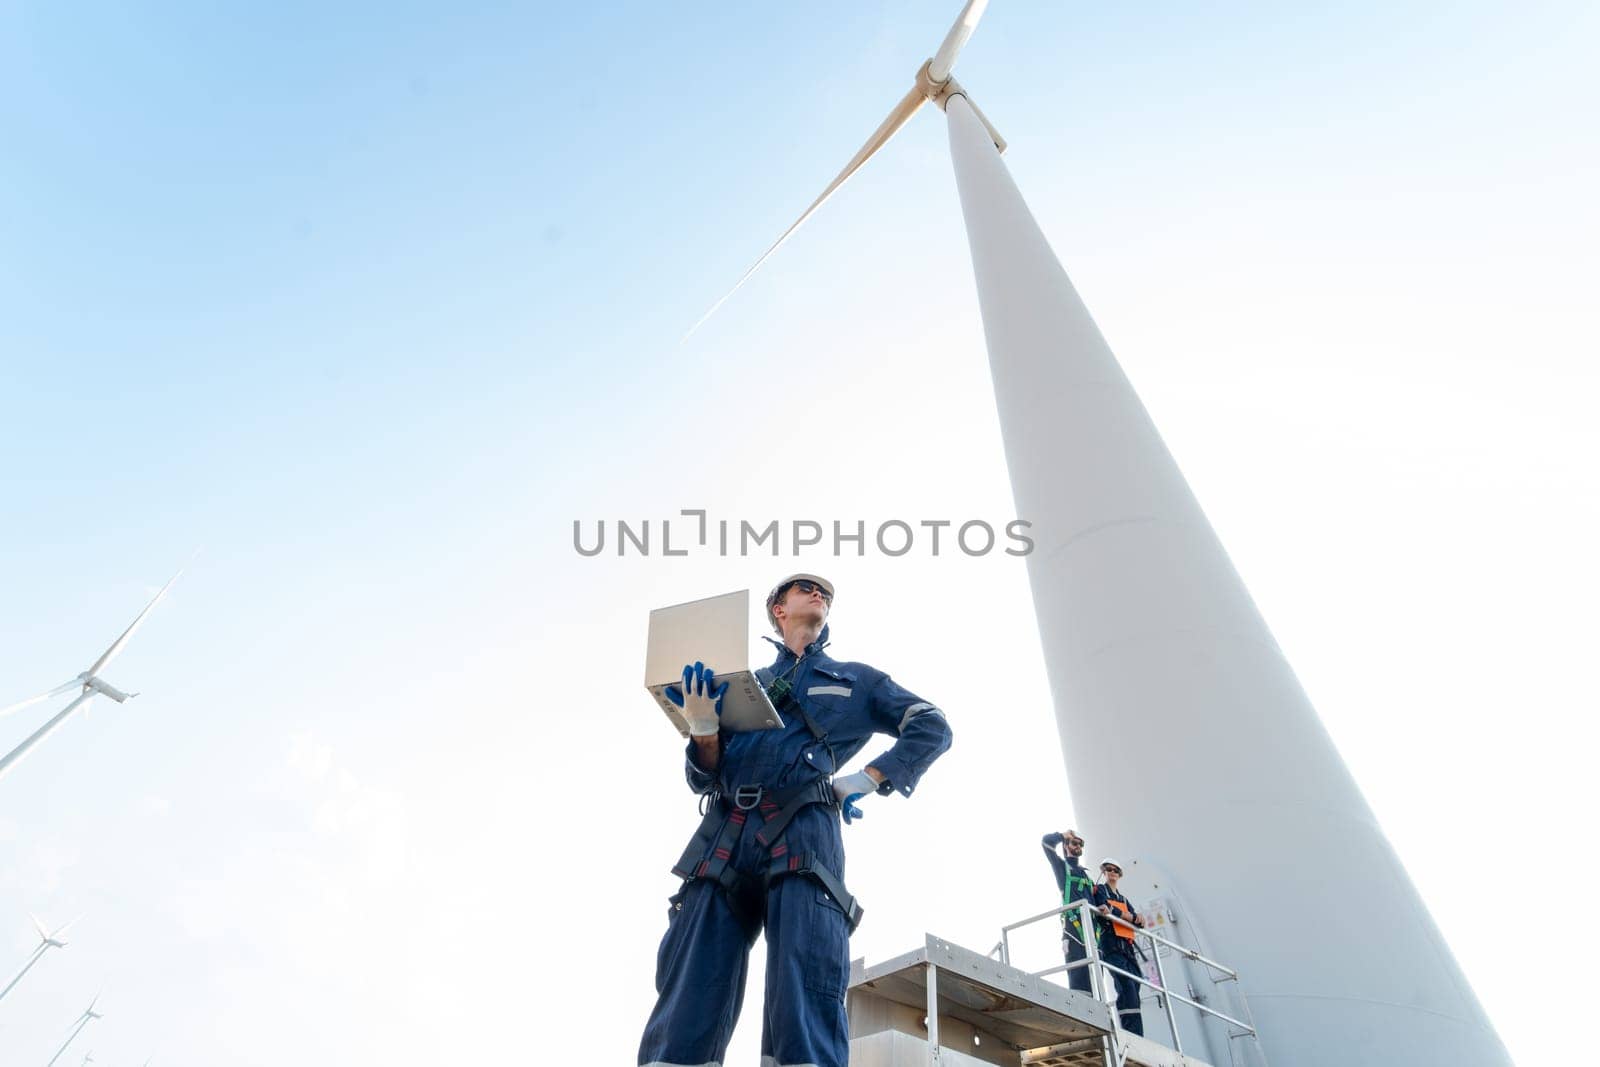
{"points": [[807, 587]]}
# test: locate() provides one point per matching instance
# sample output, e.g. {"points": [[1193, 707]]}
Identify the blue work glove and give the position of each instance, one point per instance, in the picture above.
{"points": [[703, 702], [851, 788]]}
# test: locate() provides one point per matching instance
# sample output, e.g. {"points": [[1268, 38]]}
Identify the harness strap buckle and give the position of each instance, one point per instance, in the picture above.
{"points": [[747, 796]]}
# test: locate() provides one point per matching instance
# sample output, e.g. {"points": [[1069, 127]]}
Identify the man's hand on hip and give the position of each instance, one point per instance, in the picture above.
{"points": [[851, 788]]}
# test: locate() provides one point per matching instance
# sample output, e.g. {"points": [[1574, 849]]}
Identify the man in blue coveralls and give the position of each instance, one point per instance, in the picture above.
{"points": [[1074, 883], [769, 851]]}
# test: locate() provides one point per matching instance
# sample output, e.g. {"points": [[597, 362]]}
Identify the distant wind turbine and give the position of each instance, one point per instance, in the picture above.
{"points": [[88, 1016], [47, 941], [89, 683]]}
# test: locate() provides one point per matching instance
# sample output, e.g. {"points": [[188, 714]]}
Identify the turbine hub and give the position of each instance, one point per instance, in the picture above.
{"points": [[941, 92], [938, 92]]}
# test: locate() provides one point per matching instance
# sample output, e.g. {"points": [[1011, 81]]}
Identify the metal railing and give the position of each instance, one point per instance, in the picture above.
{"points": [[1098, 967]]}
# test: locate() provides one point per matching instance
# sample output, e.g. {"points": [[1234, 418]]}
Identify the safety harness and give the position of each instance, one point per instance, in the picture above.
{"points": [[1073, 920], [710, 851]]}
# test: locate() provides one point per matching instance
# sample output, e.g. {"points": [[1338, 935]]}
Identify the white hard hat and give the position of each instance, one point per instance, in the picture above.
{"points": [[772, 597], [1109, 862]]}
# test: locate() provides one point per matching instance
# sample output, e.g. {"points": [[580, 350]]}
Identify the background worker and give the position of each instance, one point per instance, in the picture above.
{"points": [[1074, 883], [769, 853], [1116, 943]]}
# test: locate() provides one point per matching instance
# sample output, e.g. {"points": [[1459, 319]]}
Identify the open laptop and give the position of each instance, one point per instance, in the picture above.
{"points": [[716, 632]]}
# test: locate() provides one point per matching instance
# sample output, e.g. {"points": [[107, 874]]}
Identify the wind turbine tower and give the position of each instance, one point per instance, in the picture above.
{"points": [[1181, 721]]}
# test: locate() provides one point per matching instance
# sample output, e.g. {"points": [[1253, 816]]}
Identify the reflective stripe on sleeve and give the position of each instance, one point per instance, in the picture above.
{"points": [[917, 709]]}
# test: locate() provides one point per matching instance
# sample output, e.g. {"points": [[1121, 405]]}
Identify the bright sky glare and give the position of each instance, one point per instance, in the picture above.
{"points": [[370, 303]]}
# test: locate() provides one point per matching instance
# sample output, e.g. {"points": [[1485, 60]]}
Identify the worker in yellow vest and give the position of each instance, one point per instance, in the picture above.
{"points": [[1117, 943]]}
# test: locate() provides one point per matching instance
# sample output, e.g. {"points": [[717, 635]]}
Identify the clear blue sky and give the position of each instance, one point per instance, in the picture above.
{"points": [[368, 302]]}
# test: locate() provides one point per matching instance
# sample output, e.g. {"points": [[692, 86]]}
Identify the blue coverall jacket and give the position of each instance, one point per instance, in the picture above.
{"points": [[850, 702], [700, 968]]}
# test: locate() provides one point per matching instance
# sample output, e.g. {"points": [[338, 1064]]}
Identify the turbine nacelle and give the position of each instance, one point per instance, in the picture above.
{"points": [[940, 92], [105, 689]]}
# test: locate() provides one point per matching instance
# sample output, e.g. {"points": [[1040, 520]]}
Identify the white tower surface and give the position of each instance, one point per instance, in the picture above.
{"points": [[1182, 724]]}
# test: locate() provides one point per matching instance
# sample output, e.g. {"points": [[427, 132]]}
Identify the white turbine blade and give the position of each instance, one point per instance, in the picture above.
{"points": [[39, 926], [57, 691], [945, 58], [901, 114], [116, 646]]}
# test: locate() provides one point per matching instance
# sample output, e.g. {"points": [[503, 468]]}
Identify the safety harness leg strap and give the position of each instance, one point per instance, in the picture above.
{"points": [[805, 864]]}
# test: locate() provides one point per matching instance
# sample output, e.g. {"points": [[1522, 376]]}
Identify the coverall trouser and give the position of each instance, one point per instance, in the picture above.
{"points": [[705, 954], [1072, 947], [1128, 1011]]}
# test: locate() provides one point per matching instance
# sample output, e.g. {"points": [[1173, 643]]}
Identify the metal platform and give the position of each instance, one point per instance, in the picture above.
{"points": [[949, 1006]]}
